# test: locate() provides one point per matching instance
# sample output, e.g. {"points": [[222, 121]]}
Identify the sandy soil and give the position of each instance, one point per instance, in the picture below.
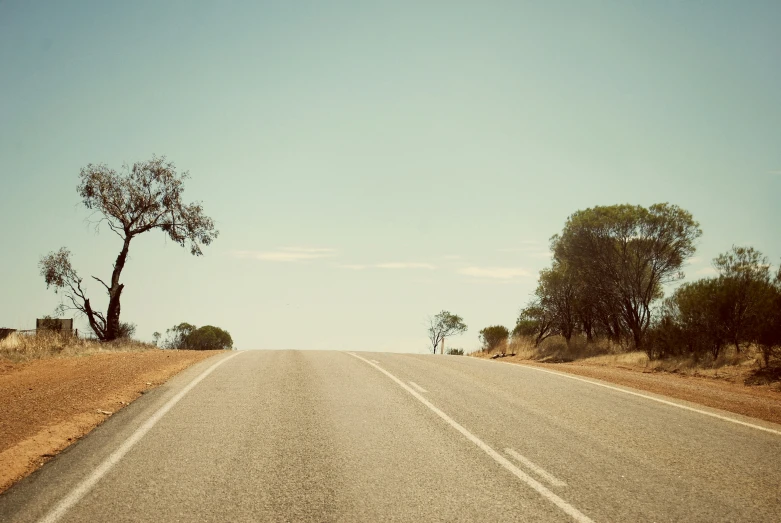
{"points": [[47, 404], [760, 401]]}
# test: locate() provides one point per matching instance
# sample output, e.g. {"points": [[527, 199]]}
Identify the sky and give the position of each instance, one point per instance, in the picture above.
{"points": [[369, 164]]}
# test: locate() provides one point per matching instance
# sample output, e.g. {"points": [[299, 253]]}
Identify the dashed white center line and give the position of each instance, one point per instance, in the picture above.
{"points": [[535, 485], [541, 472], [417, 387]]}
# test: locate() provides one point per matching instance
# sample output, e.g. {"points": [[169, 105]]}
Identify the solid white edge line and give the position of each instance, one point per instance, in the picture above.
{"points": [[639, 395], [87, 484], [501, 460], [417, 387], [550, 478]]}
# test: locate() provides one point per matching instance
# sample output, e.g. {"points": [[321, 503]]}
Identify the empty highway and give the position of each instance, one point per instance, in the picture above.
{"points": [[338, 436]]}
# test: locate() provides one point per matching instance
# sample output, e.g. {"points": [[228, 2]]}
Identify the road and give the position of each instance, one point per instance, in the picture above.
{"points": [[337, 436]]}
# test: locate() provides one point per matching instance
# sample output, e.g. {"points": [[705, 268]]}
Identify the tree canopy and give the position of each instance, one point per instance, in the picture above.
{"points": [[444, 325], [493, 336], [143, 197], [185, 336], [624, 254]]}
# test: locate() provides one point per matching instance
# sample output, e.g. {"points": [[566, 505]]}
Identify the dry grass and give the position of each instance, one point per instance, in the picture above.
{"points": [[743, 367], [23, 347]]}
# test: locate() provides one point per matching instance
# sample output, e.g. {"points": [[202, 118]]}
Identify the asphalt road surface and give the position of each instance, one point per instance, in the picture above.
{"points": [[337, 436]]}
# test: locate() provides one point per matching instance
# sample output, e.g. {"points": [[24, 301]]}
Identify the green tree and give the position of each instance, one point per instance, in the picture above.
{"points": [[493, 336], [535, 322], [625, 254], [556, 292], [144, 197], [176, 336], [745, 280], [209, 337], [442, 326], [186, 336], [700, 309]]}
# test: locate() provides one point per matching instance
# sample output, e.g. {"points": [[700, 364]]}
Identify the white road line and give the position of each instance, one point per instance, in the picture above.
{"points": [[417, 387], [671, 403], [504, 462], [86, 485], [547, 476]]}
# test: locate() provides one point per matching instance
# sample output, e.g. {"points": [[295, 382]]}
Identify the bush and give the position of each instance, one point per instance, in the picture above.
{"points": [[492, 337], [455, 352]]}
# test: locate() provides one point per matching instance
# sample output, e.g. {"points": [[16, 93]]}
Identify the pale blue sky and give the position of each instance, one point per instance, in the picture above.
{"points": [[369, 164]]}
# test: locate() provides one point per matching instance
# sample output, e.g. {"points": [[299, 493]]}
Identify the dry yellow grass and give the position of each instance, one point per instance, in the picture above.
{"points": [[731, 366], [19, 347]]}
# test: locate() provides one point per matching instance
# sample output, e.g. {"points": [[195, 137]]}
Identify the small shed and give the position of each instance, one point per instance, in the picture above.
{"points": [[54, 324]]}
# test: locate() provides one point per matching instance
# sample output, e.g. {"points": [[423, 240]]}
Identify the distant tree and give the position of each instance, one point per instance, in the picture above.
{"points": [[186, 336], [209, 338], [745, 281], [700, 309], [442, 326], [492, 337], [556, 292], [535, 322], [144, 197], [156, 338], [176, 336], [624, 254]]}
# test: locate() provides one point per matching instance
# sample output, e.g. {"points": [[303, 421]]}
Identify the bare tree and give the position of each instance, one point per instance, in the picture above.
{"points": [[442, 326], [142, 198]]}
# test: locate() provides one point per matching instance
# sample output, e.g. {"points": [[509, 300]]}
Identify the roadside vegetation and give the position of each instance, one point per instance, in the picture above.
{"points": [[18, 348], [189, 337], [143, 197], [602, 300]]}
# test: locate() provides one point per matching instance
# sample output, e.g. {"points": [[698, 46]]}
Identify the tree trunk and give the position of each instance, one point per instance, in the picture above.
{"points": [[99, 332], [114, 293]]}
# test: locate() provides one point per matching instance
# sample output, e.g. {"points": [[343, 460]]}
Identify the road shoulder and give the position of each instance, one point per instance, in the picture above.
{"points": [[47, 405]]}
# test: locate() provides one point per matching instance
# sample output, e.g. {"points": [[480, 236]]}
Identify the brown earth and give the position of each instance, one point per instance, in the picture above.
{"points": [[759, 401], [48, 404]]}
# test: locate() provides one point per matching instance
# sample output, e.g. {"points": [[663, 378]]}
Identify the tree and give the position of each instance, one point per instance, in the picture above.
{"points": [[494, 336], [556, 293], [176, 336], [186, 336], [625, 254], [699, 309], [744, 275], [442, 326], [142, 198], [535, 322], [209, 338]]}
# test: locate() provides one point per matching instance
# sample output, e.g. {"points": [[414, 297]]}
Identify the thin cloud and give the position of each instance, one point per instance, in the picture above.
{"points": [[399, 265], [388, 265], [707, 271], [695, 259], [353, 266], [288, 254], [499, 273], [451, 257]]}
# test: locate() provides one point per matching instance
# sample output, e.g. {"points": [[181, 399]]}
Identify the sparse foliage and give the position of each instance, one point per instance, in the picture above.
{"points": [[142, 198], [442, 326]]}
